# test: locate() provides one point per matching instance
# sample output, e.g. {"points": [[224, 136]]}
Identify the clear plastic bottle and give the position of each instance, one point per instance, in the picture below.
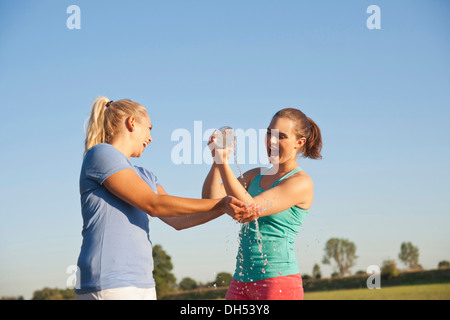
{"points": [[225, 137]]}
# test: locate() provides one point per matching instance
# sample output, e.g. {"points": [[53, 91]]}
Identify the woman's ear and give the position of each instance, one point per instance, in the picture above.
{"points": [[300, 143], [130, 123]]}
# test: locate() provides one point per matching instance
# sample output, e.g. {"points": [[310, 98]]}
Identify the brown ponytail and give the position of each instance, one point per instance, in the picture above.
{"points": [[305, 128], [313, 145]]}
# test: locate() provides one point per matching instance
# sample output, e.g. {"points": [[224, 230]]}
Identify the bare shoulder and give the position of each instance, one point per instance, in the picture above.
{"points": [[300, 184], [300, 179]]}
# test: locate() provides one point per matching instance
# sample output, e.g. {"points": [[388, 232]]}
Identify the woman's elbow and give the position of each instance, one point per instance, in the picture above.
{"points": [[160, 206], [153, 209]]}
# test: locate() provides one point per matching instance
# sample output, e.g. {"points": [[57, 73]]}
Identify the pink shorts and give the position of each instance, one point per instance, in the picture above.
{"points": [[278, 288]]}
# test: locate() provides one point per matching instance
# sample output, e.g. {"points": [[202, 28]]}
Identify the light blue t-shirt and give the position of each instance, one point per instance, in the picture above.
{"points": [[116, 250]]}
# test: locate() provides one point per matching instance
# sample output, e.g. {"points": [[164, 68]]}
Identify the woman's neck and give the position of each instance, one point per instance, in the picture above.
{"points": [[122, 146]]}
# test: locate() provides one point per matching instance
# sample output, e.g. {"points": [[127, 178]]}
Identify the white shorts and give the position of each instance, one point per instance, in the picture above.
{"points": [[126, 293]]}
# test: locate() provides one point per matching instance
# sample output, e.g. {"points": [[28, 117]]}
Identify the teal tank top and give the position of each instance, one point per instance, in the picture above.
{"points": [[270, 252]]}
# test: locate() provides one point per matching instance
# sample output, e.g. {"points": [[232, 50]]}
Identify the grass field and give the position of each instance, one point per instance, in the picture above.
{"points": [[410, 292]]}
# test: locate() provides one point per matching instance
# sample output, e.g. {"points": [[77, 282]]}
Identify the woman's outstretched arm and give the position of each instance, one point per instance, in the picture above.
{"points": [[180, 223], [129, 187]]}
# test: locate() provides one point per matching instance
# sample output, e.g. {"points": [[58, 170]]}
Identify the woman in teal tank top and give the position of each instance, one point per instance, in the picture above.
{"points": [[266, 263]]}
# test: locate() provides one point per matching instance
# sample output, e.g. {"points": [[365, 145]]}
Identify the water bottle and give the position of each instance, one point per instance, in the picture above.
{"points": [[225, 137]]}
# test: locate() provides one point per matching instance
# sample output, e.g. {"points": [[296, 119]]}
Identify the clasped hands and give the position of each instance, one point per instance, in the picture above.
{"points": [[239, 210]]}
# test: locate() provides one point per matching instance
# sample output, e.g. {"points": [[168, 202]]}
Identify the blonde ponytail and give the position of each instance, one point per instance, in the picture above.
{"points": [[95, 132], [106, 117]]}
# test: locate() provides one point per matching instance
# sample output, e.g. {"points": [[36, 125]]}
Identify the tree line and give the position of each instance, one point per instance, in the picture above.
{"points": [[341, 254]]}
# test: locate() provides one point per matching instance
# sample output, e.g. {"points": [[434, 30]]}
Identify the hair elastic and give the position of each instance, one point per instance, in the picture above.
{"points": [[108, 103]]}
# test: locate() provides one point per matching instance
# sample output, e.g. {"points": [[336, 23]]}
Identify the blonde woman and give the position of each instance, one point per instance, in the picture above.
{"points": [[117, 199], [266, 265]]}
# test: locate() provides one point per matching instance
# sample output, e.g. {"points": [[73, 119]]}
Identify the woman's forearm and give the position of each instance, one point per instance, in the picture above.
{"points": [[129, 187], [172, 206], [212, 187], [180, 223], [232, 185]]}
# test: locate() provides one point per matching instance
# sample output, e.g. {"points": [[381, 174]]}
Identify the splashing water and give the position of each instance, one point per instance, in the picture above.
{"points": [[226, 138], [259, 239], [260, 247]]}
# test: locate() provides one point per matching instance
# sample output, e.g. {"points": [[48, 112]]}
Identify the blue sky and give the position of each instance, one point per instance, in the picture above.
{"points": [[380, 98]]}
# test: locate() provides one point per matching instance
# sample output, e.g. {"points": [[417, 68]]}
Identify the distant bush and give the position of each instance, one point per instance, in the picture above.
{"points": [[12, 298], [54, 294], [389, 269], [317, 274], [188, 284], [223, 279]]}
